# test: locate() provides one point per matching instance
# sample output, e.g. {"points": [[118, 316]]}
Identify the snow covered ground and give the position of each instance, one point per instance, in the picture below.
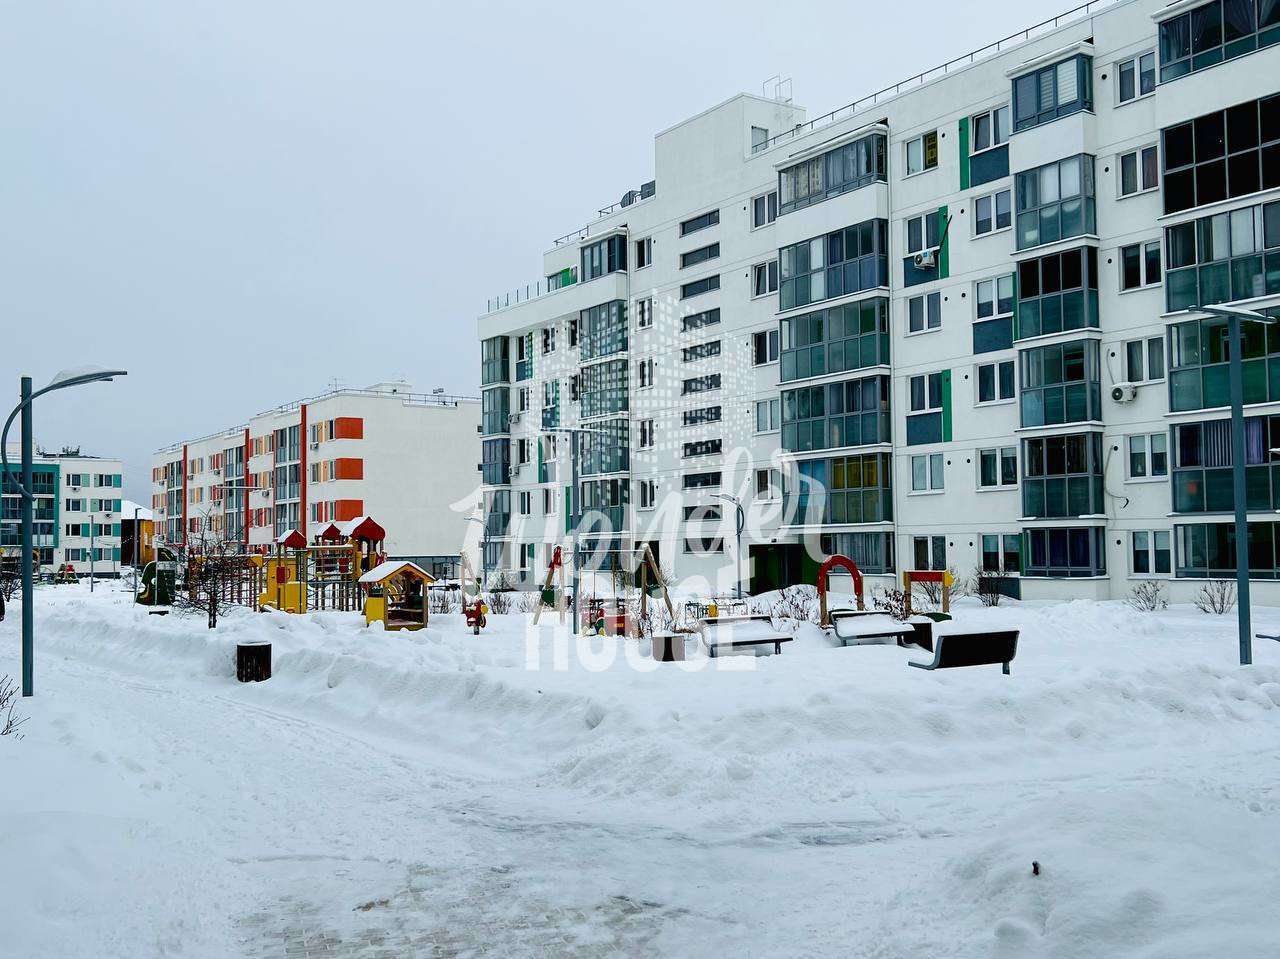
{"points": [[392, 794]]}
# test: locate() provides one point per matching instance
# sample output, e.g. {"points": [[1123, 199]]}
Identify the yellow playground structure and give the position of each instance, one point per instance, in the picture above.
{"points": [[299, 576], [397, 594]]}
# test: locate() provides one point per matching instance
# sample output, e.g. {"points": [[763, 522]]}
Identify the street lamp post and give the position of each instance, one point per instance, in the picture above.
{"points": [[740, 522], [93, 530], [63, 380], [1233, 316]]}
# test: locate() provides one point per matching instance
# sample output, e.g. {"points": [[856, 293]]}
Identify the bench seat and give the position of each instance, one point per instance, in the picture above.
{"points": [[954, 649]]}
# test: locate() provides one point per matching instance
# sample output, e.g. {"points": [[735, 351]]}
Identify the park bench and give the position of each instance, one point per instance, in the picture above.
{"points": [[741, 632], [954, 649], [868, 626]]}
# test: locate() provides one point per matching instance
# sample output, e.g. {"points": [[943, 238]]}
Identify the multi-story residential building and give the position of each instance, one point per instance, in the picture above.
{"points": [[76, 519], [406, 459], [938, 327]]}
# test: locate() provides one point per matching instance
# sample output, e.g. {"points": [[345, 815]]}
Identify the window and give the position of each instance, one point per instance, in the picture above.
{"points": [[922, 152], [602, 388], [644, 313], [1058, 292], [924, 232], [764, 278], [995, 382], [695, 321], [603, 257], [700, 480], [602, 330], [768, 484], [645, 435], [522, 399], [1002, 553], [644, 373], [849, 337], [990, 129], [705, 414], [929, 553], [998, 468], [991, 213], [1225, 154], [703, 545], [1221, 30], [700, 384], [872, 552], [702, 513], [1148, 456], [648, 494], [548, 340], [759, 139], [1051, 92], [1139, 265], [1198, 357], [1060, 384], [1144, 360], [764, 209], [550, 501], [525, 503], [768, 415], [994, 297], [927, 473], [837, 264], [835, 415], [1062, 476], [1209, 550], [1202, 466], [700, 222], [926, 392], [924, 312], [764, 347], [1056, 201], [1136, 77], [845, 489], [702, 351], [1138, 171], [702, 448], [644, 252], [1150, 552], [1225, 257], [701, 255], [850, 166], [697, 287]]}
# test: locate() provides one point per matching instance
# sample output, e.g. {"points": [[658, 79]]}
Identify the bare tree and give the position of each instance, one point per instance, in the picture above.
{"points": [[1217, 596], [210, 576], [8, 700], [1147, 597]]}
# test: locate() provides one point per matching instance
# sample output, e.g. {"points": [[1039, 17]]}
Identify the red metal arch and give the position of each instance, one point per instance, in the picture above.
{"points": [[845, 563]]}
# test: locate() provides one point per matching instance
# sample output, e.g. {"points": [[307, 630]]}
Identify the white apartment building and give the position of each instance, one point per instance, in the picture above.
{"points": [[406, 459], [76, 514], [940, 327]]}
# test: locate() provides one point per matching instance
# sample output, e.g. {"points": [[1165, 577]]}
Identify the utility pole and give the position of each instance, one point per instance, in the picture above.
{"points": [[28, 546], [93, 529]]}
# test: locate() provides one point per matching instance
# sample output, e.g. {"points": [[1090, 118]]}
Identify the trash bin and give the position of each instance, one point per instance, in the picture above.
{"points": [[253, 661], [668, 647]]}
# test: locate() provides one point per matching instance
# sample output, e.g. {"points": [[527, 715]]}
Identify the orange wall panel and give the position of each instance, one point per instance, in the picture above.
{"points": [[348, 428], [345, 509], [348, 468]]}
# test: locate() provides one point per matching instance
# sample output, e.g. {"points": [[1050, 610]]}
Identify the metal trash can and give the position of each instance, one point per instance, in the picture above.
{"points": [[668, 647]]}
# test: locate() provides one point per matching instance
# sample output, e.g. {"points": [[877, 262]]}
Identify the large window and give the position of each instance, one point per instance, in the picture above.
{"points": [[1062, 476], [1058, 292], [605, 449], [872, 552], [1217, 31], [1052, 92], [1056, 201], [495, 409], [696, 321], [697, 287], [998, 468], [834, 415], [1138, 171], [1224, 154], [700, 222], [1224, 257], [1060, 384], [1209, 550], [928, 474], [1136, 77], [1202, 473], [602, 388], [602, 330], [846, 489], [701, 255], [848, 167], [992, 212], [995, 382], [836, 340], [495, 360], [843, 262], [1150, 553], [1139, 265], [1198, 361], [1002, 553], [1066, 552], [495, 462], [607, 256]]}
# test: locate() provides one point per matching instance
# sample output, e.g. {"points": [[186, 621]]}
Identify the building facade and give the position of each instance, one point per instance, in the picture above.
{"points": [[406, 459], [940, 327], [76, 513]]}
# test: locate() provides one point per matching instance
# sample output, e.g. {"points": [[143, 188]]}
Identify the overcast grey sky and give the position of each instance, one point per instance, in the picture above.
{"points": [[240, 201]]}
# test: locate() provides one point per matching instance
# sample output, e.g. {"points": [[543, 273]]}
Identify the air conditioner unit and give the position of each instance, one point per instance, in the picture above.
{"points": [[1124, 392], [513, 418], [927, 259]]}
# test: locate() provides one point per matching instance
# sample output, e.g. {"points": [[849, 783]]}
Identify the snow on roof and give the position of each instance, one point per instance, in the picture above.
{"points": [[128, 506], [393, 566], [364, 527]]}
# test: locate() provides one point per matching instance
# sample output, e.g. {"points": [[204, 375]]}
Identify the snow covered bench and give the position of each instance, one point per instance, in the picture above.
{"points": [[868, 626], [953, 648], [741, 632]]}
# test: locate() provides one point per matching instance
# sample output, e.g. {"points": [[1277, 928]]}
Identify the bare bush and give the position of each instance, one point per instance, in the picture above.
{"points": [[655, 619], [500, 603], [1217, 596], [442, 600], [989, 585], [797, 603], [1148, 597], [8, 700], [529, 601], [892, 601], [928, 595]]}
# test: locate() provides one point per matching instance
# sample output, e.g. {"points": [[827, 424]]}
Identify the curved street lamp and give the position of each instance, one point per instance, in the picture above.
{"points": [[66, 378]]}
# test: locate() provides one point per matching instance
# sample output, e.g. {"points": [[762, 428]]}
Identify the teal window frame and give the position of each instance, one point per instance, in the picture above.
{"points": [[1062, 476], [1223, 258], [851, 412], [838, 339], [1199, 363], [843, 262], [1046, 213], [1060, 383]]}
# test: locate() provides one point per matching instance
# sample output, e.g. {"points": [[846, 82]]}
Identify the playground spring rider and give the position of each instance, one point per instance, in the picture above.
{"points": [[473, 606]]}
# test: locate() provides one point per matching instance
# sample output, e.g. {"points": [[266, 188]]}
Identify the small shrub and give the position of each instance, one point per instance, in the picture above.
{"points": [[442, 600], [1217, 596], [1148, 597], [500, 603], [892, 601], [989, 585], [8, 700], [528, 601], [798, 603]]}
